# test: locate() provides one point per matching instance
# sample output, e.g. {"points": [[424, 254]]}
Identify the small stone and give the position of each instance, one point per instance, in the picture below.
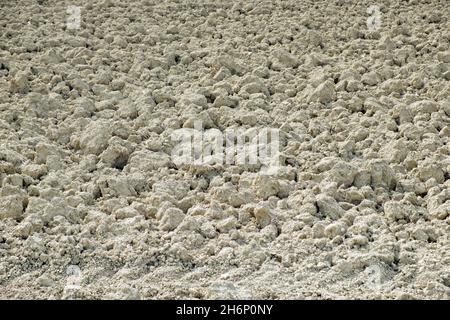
{"points": [[19, 84], [335, 229], [95, 136], [286, 59], [324, 93], [127, 212], [329, 207], [395, 210], [11, 207], [444, 56], [371, 78], [35, 170], [424, 106], [358, 240], [419, 234], [45, 281], [262, 215], [195, 99], [265, 186], [441, 212], [381, 174], [431, 170], [343, 173], [169, 218], [226, 225]]}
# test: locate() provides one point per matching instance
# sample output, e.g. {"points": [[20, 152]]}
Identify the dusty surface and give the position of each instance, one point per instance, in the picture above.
{"points": [[91, 205]]}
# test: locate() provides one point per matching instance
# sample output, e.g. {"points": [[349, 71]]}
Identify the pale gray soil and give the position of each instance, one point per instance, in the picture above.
{"points": [[92, 206]]}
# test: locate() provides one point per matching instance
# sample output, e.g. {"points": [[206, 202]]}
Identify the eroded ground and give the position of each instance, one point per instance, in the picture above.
{"points": [[92, 205]]}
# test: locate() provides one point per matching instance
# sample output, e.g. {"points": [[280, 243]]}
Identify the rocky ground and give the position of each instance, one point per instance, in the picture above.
{"points": [[92, 205]]}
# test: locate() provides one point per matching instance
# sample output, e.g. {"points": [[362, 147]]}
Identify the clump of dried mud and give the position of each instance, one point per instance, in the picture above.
{"points": [[92, 206]]}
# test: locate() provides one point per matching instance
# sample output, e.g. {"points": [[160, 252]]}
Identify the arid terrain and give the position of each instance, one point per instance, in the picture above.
{"points": [[93, 205]]}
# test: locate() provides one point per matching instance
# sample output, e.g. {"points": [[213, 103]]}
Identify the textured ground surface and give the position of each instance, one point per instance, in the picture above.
{"points": [[91, 205]]}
